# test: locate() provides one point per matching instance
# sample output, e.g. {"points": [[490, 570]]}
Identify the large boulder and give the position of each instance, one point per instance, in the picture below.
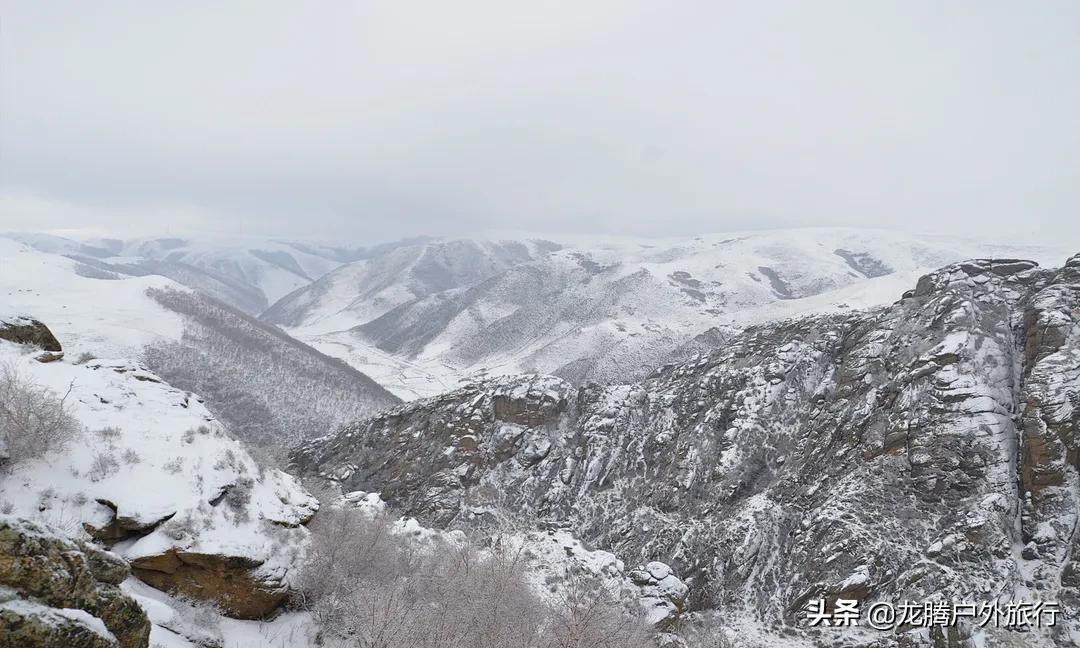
{"points": [[55, 591], [235, 583], [26, 330], [663, 594]]}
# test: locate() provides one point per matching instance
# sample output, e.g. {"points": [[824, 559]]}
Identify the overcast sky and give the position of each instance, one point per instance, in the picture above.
{"points": [[374, 120]]}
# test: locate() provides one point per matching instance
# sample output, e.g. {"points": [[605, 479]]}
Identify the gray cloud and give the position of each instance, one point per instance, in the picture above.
{"points": [[384, 119]]}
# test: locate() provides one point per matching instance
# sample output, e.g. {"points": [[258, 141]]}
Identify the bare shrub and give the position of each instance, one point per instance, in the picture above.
{"points": [[585, 614], [174, 466], [707, 633], [238, 496], [374, 588], [85, 357], [109, 434], [45, 498], [266, 455], [179, 527], [131, 457], [33, 419], [103, 465], [227, 460]]}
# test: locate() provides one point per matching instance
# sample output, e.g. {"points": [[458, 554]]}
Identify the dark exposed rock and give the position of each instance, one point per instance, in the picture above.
{"points": [[44, 576], [26, 330], [121, 527], [31, 625], [903, 453], [863, 263]]}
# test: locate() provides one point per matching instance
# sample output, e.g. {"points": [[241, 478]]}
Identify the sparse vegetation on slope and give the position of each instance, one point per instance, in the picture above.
{"points": [[375, 586], [269, 388]]}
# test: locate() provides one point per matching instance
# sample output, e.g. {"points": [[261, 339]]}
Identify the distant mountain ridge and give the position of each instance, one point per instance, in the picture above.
{"points": [[247, 273], [421, 316]]}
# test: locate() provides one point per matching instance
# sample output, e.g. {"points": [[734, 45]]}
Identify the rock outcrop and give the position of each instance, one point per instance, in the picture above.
{"points": [[662, 594], [157, 477], [58, 592], [234, 583], [26, 330], [927, 450]]}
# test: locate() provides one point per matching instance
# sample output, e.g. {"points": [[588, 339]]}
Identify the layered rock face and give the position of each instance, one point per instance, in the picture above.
{"points": [[923, 451], [59, 592], [235, 583]]}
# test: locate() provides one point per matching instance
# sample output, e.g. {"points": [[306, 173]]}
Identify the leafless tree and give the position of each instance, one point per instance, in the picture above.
{"points": [[377, 588], [33, 418]]}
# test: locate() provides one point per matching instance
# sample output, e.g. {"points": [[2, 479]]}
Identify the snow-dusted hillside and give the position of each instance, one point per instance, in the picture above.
{"points": [[420, 317], [264, 383], [150, 471], [366, 289], [109, 318], [138, 431], [246, 273]]}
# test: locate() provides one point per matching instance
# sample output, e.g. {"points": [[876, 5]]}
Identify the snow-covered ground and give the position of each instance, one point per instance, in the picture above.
{"points": [[420, 317], [186, 336], [155, 457], [149, 457], [269, 269], [275, 268], [147, 453], [108, 318], [177, 624]]}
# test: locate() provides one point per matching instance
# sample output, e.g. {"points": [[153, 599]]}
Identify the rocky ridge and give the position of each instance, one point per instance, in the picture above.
{"points": [[925, 450]]}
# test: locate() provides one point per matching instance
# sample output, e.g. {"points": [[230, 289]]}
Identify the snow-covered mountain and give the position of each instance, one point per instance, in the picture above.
{"points": [[246, 273], [917, 449], [920, 451], [265, 384], [421, 316]]}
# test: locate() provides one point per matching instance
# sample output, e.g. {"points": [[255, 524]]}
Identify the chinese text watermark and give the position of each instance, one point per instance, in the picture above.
{"points": [[882, 615]]}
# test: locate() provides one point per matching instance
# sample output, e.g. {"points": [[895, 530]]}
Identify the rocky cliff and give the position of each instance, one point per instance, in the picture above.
{"points": [[59, 592], [927, 450]]}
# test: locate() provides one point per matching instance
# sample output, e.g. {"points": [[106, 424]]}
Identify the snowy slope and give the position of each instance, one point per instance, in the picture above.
{"points": [[365, 289], [274, 268], [246, 272], [176, 624], [594, 309], [265, 384], [154, 457], [104, 317]]}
